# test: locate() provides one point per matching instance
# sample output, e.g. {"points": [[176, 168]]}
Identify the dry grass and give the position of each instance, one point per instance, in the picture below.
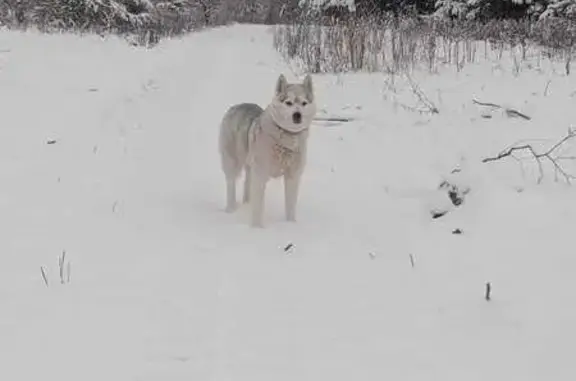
{"points": [[394, 46]]}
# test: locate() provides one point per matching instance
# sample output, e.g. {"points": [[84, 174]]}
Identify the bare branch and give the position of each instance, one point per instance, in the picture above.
{"points": [[547, 155], [424, 100]]}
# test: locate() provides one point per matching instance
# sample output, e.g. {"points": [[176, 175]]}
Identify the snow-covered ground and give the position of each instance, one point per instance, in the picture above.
{"points": [[108, 152]]}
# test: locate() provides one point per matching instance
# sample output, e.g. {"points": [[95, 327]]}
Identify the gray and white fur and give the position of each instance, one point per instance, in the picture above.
{"points": [[267, 143]]}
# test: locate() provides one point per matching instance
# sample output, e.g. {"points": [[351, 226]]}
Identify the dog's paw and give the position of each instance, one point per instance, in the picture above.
{"points": [[231, 208], [256, 224], [290, 216]]}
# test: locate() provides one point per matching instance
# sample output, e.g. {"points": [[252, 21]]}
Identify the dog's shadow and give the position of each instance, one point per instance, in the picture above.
{"points": [[205, 206]]}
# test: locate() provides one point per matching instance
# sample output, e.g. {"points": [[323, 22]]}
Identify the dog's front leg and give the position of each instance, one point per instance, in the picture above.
{"points": [[257, 190], [291, 188], [230, 194]]}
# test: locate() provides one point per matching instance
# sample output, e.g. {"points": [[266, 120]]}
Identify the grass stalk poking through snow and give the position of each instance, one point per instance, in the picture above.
{"points": [[44, 276]]}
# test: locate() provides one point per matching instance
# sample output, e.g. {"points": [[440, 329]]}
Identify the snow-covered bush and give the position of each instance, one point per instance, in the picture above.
{"points": [[560, 8], [489, 9], [116, 15], [505, 9], [151, 18]]}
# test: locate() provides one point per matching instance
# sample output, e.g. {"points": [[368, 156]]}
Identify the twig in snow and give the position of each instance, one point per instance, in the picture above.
{"points": [[548, 155], [412, 261], [509, 112], [429, 107], [61, 260], [44, 276], [288, 248], [422, 98], [487, 104], [546, 87], [65, 268], [488, 293]]}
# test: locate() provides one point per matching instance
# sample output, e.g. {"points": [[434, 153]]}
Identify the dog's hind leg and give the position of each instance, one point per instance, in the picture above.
{"points": [[231, 172], [247, 176], [257, 191]]}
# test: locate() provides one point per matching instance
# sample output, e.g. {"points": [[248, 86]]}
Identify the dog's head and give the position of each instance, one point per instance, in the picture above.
{"points": [[293, 105]]}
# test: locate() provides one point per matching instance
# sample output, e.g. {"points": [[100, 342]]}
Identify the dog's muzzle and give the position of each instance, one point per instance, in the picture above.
{"points": [[297, 118]]}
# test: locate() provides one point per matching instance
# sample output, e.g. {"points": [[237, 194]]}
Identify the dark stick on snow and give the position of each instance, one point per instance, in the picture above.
{"points": [[44, 276], [488, 291], [486, 104], [61, 266], [509, 111], [546, 88], [412, 262]]}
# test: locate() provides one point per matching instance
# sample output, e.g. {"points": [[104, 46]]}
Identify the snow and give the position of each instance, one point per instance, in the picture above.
{"points": [[166, 286]]}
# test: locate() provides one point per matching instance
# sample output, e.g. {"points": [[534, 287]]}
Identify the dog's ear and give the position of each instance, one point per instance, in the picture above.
{"points": [[281, 85], [308, 87]]}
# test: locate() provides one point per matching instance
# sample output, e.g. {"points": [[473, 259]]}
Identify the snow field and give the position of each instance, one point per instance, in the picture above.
{"points": [[166, 286]]}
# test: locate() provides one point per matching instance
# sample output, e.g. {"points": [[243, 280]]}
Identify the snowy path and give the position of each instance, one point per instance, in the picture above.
{"points": [[166, 286]]}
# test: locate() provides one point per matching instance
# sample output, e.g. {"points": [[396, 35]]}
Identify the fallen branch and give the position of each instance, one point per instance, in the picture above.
{"points": [[422, 98], [548, 155], [333, 119], [509, 112]]}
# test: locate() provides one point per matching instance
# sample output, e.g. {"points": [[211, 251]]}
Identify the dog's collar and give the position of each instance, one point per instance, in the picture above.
{"points": [[288, 131], [285, 138]]}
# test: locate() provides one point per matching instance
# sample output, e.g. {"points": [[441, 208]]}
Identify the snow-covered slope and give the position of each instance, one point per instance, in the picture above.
{"points": [[108, 152]]}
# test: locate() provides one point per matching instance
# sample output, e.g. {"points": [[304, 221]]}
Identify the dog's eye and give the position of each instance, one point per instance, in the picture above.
{"points": [[304, 103], [288, 103]]}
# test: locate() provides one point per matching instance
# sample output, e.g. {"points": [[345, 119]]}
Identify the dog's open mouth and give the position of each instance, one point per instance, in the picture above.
{"points": [[297, 118]]}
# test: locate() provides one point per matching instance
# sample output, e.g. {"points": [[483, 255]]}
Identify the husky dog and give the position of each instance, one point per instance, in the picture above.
{"points": [[267, 143]]}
